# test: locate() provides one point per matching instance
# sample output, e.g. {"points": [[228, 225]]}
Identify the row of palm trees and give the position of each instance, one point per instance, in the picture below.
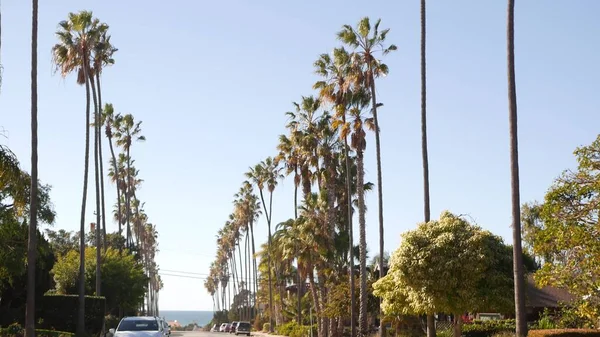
{"points": [[324, 151], [84, 48], [324, 148]]}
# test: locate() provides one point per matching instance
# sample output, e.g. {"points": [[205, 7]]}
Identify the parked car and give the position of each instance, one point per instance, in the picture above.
{"points": [[146, 326], [233, 326], [214, 328], [223, 327], [243, 328]]}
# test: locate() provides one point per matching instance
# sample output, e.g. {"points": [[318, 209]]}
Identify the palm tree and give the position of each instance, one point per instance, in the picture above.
{"points": [[367, 46], [109, 120], [426, 202], [267, 173], [519, 277], [337, 73], [103, 52], [356, 131], [32, 241], [128, 131], [72, 53]]}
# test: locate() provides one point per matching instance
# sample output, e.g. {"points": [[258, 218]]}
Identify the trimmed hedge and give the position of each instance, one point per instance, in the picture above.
{"points": [[15, 330], [564, 333], [488, 328], [59, 312]]}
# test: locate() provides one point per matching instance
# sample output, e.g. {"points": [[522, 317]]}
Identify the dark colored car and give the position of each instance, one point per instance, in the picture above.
{"points": [[243, 328], [233, 326]]}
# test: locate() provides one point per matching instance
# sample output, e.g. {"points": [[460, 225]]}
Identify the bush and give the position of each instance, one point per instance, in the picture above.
{"points": [[15, 330], [266, 327], [488, 328], [504, 334], [564, 333], [286, 329], [59, 312], [258, 323], [111, 322], [292, 329]]}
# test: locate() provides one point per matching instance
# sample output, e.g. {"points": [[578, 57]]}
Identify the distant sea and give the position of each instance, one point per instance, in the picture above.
{"points": [[184, 318]]}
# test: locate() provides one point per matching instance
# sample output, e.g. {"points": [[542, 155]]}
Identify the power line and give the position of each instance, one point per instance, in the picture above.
{"points": [[184, 272]]}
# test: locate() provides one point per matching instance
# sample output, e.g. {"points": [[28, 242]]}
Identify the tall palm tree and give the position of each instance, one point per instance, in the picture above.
{"points": [[103, 52], [32, 241], [109, 119], [128, 131], [367, 45], [356, 131], [426, 202], [267, 173], [519, 277], [333, 89], [72, 53]]}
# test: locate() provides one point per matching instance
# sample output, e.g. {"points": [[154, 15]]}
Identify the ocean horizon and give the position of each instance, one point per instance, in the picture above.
{"points": [[184, 317]]}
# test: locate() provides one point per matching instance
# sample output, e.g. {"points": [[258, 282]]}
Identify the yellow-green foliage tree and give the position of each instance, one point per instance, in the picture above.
{"points": [[124, 282], [568, 235], [447, 265]]}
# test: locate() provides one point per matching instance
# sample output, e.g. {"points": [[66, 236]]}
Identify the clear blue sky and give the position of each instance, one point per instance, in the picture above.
{"points": [[212, 80]]}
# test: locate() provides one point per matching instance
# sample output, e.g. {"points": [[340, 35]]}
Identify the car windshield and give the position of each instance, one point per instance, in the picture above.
{"points": [[243, 325], [138, 325]]}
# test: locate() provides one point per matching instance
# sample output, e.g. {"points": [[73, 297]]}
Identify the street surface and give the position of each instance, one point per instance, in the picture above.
{"points": [[212, 334]]}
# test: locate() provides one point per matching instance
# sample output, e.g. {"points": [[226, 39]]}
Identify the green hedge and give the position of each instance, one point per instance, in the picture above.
{"points": [[59, 312], [488, 328], [564, 333], [15, 330]]}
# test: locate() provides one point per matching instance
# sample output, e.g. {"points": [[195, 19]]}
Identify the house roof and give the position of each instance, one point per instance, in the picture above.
{"points": [[545, 297]]}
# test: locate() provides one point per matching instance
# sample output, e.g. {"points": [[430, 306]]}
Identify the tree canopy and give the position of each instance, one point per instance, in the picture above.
{"points": [[564, 231], [123, 284], [476, 267]]}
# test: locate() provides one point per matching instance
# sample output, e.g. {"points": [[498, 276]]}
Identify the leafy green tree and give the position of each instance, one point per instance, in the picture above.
{"points": [[566, 234], [124, 284], [475, 265], [13, 272]]}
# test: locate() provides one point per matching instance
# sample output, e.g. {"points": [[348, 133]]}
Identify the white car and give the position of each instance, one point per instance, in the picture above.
{"points": [[139, 327]]}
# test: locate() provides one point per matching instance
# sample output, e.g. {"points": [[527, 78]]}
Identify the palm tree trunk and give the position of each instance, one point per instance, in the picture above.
{"points": [[254, 266], [128, 188], [379, 180], [247, 276], [362, 319], [32, 239], [117, 178], [267, 215], [350, 237], [81, 312], [426, 202], [315, 297], [97, 181], [519, 274], [100, 160]]}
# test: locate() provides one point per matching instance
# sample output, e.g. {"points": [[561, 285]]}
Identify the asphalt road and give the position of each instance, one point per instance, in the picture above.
{"points": [[202, 334]]}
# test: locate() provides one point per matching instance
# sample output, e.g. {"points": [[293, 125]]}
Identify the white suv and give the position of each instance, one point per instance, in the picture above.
{"points": [[139, 327]]}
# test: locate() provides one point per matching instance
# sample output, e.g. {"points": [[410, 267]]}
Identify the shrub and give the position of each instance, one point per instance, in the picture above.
{"points": [[258, 323], [266, 327], [564, 333], [488, 328], [504, 334], [12, 332], [59, 312]]}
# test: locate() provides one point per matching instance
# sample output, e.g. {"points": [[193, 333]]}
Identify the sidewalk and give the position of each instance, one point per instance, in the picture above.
{"points": [[264, 334]]}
